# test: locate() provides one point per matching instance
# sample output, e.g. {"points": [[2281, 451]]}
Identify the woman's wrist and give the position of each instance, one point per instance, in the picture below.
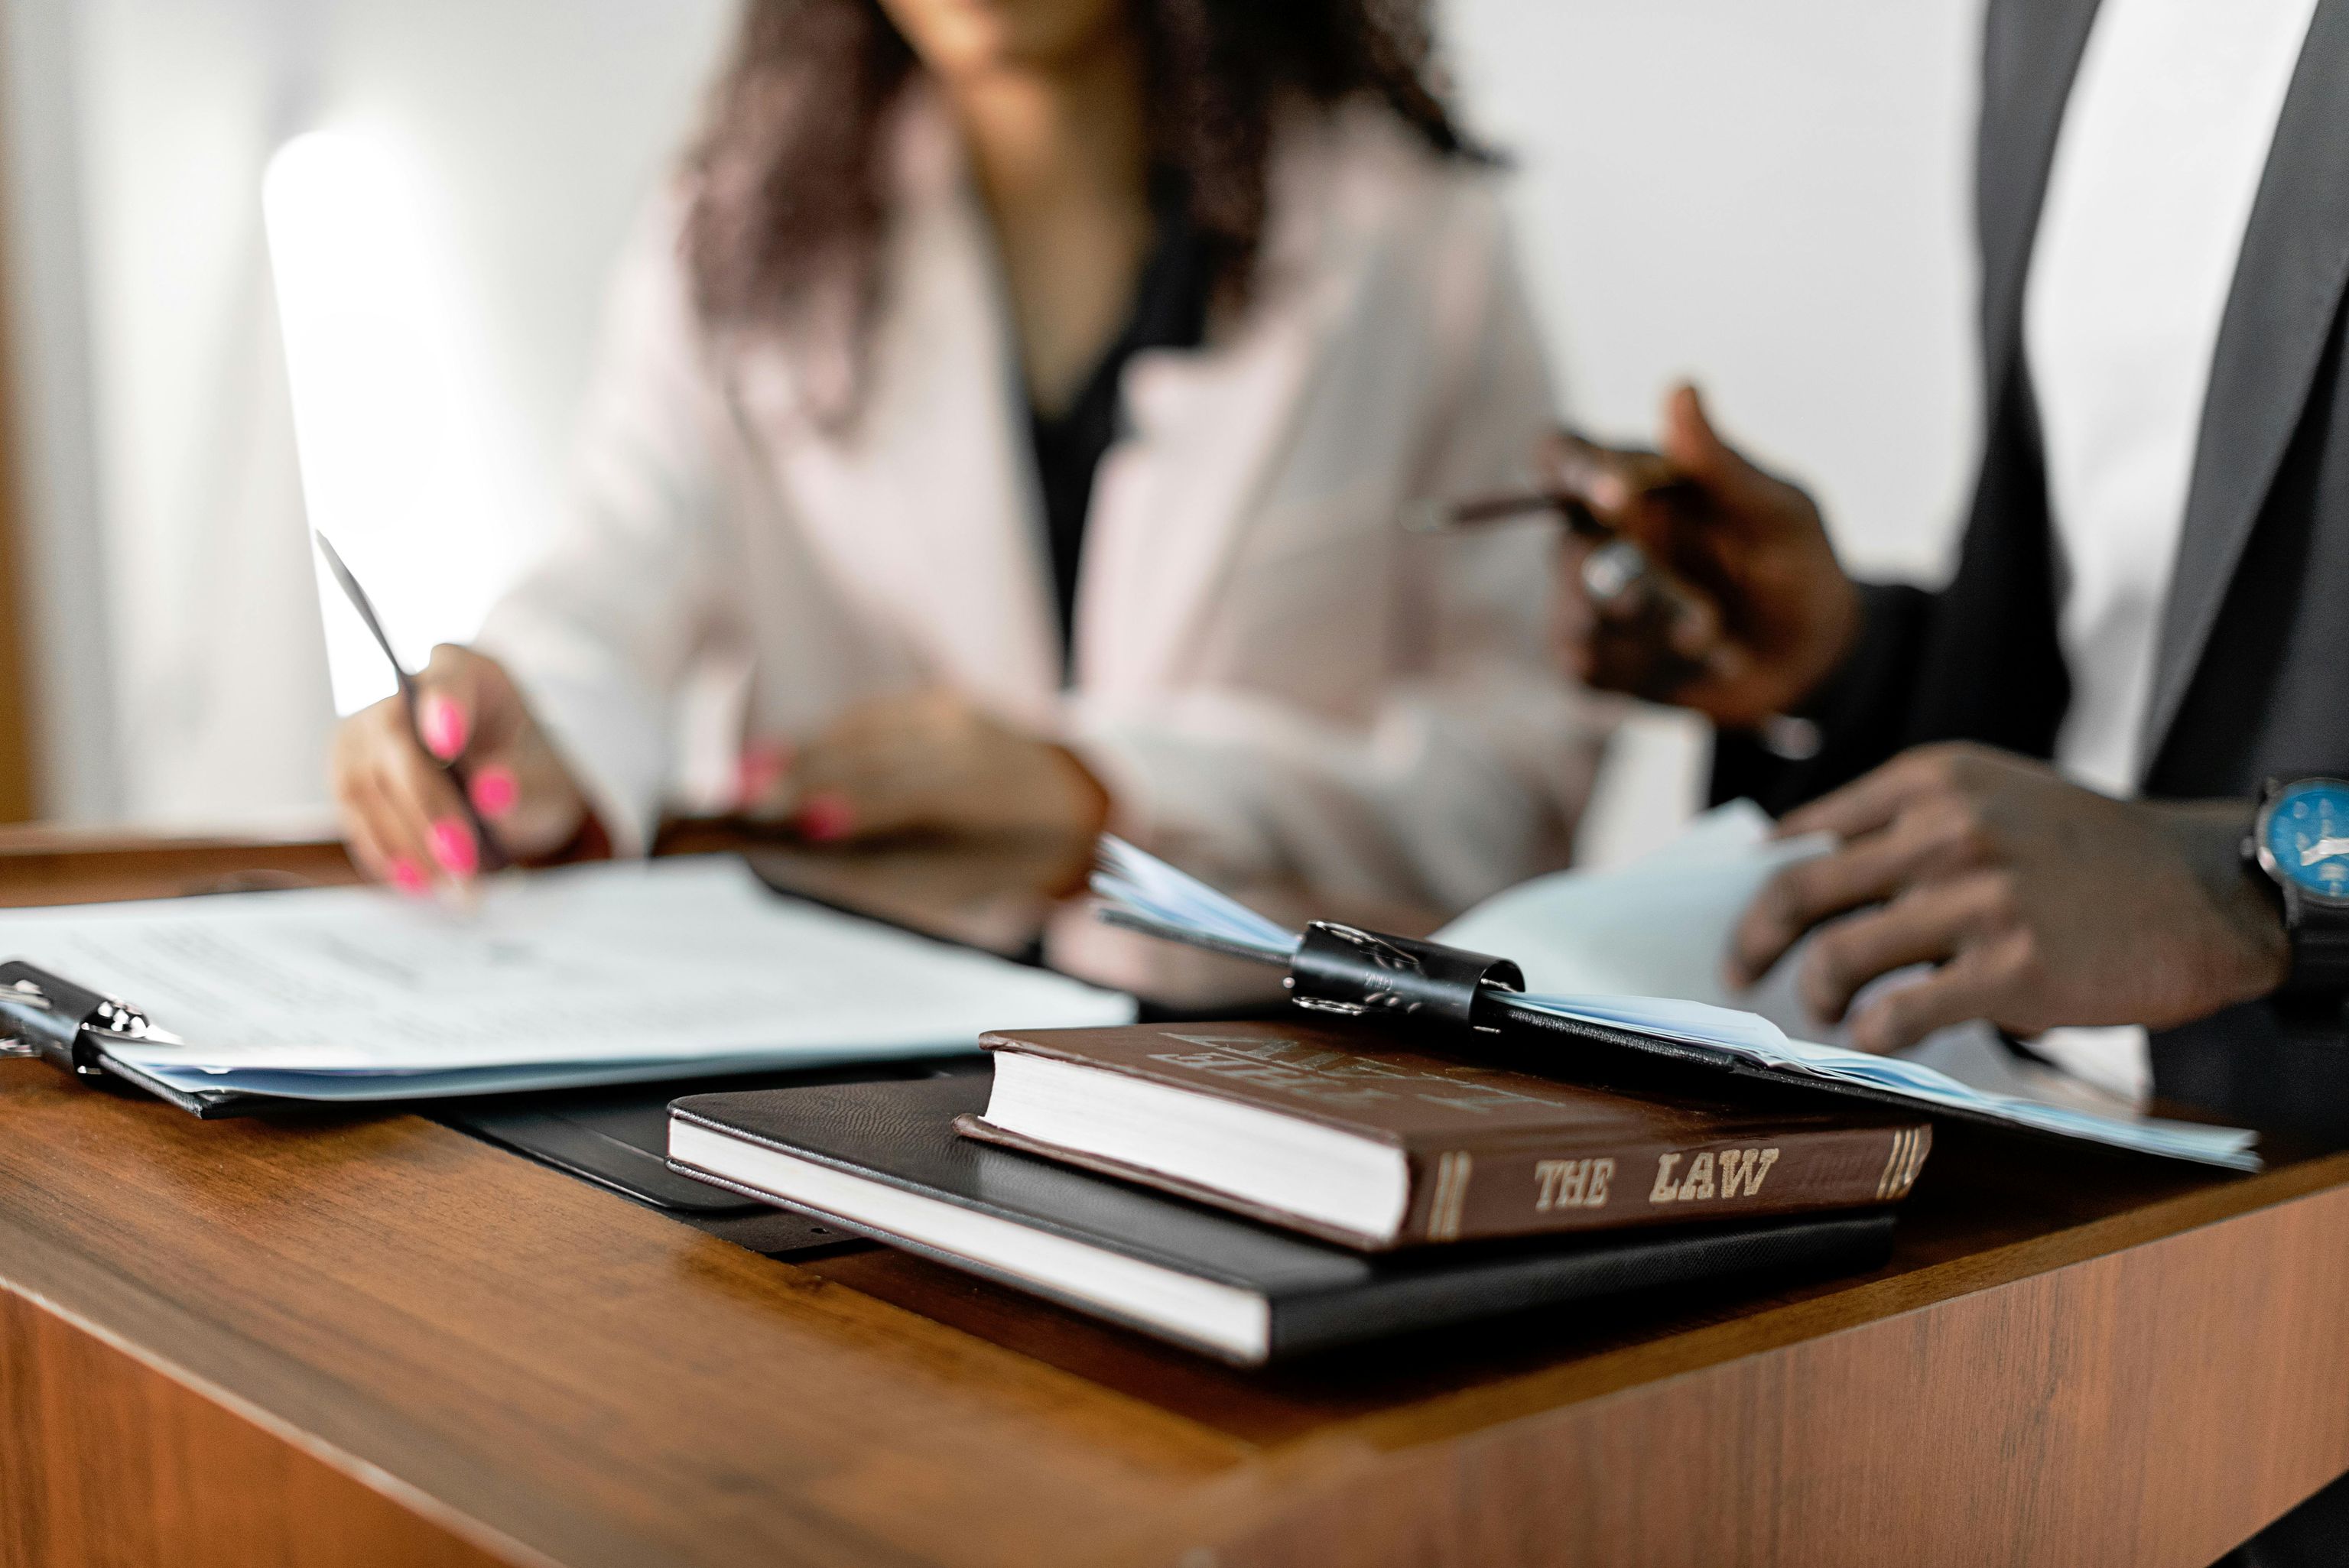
{"points": [[1090, 801], [1087, 808], [590, 841]]}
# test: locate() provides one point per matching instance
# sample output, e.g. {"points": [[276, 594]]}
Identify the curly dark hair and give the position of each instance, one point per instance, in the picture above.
{"points": [[786, 194]]}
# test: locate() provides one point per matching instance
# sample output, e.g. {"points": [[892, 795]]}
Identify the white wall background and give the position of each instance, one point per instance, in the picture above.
{"points": [[1771, 199], [1768, 197], [164, 469]]}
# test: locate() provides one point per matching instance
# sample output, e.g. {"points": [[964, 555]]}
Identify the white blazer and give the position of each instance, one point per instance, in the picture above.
{"points": [[1273, 679]]}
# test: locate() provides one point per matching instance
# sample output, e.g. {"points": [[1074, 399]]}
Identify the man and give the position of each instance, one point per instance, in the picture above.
{"points": [[2153, 591], [2043, 775]]}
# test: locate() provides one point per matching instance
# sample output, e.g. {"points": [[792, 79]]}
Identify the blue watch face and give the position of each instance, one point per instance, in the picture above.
{"points": [[2308, 837]]}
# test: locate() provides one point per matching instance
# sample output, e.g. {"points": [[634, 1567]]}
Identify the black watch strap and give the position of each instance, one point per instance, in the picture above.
{"points": [[2320, 950]]}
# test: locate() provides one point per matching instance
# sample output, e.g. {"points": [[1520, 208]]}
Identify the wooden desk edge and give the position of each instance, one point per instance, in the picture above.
{"points": [[1351, 1462]]}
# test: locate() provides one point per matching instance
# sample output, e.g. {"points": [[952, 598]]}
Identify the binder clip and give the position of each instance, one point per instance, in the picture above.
{"points": [[42, 1016], [1360, 973]]}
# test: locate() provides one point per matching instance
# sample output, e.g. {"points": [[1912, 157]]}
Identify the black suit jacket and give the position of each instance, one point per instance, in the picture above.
{"points": [[2251, 679]]}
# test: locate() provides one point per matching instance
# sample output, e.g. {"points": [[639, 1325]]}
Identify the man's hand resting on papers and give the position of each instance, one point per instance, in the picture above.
{"points": [[2038, 903], [1757, 613], [400, 809], [929, 761]]}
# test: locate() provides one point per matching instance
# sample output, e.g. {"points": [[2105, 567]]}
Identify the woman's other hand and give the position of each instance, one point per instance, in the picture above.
{"points": [[400, 814], [928, 761]]}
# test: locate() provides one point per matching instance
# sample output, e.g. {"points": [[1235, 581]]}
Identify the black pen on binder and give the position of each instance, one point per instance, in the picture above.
{"points": [[493, 855]]}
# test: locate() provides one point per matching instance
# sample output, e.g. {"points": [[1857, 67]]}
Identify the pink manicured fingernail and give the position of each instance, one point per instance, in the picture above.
{"points": [[826, 818], [495, 791], [442, 725], [407, 875], [454, 847]]}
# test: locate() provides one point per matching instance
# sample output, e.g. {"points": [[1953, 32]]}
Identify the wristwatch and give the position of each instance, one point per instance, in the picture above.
{"points": [[2301, 841]]}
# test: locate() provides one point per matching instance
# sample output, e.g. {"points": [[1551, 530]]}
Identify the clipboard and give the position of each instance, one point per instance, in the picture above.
{"points": [[612, 1136]]}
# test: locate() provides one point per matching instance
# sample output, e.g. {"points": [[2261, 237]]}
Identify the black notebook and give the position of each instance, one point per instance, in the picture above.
{"points": [[884, 1158]]}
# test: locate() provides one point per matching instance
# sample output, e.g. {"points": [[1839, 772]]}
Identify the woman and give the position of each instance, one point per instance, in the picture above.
{"points": [[1025, 391]]}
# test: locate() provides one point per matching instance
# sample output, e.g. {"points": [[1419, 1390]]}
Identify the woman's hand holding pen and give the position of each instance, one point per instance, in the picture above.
{"points": [[1755, 611], [928, 761], [400, 813]]}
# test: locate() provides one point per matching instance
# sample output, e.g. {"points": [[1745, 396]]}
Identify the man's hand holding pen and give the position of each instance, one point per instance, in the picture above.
{"points": [[1743, 610]]}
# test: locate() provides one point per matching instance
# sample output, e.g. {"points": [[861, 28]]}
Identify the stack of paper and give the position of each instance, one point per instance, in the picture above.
{"points": [[598, 974]]}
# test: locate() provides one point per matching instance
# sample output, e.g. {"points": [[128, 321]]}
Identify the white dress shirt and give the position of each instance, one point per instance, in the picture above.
{"points": [[2156, 166], [2159, 161]]}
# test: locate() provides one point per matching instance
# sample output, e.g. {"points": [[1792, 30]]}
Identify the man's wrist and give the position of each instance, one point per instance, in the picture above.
{"points": [[1843, 624], [1859, 650], [2212, 835]]}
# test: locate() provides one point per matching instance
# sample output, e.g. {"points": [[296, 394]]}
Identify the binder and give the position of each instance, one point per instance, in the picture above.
{"points": [[1458, 998]]}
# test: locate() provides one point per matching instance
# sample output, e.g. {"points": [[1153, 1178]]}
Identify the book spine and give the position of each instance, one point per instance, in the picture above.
{"points": [[1467, 1194]]}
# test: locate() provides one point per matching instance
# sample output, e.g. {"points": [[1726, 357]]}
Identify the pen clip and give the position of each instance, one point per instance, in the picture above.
{"points": [[1346, 970]]}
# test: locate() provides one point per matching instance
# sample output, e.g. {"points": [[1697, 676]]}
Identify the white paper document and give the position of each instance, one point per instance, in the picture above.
{"points": [[585, 975], [1640, 947], [1658, 926]]}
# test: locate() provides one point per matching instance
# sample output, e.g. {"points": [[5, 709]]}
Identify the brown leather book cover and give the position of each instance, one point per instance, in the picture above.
{"points": [[1492, 1152]]}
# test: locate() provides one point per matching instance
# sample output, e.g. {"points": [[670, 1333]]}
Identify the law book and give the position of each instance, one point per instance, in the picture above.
{"points": [[1344, 1134], [882, 1159]]}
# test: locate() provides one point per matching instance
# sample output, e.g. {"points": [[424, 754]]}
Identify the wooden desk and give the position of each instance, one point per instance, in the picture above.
{"points": [[374, 1340]]}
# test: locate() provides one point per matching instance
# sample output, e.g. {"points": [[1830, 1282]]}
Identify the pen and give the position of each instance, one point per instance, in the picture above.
{"points": [[493, 855], [1581, 466], [1618, 574]]}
